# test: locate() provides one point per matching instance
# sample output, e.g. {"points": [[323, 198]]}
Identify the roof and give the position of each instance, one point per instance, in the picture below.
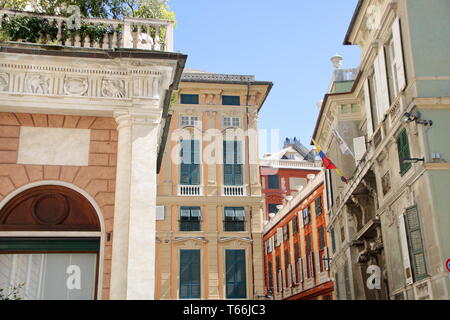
{"points": [[352, 22], [203, 76]]}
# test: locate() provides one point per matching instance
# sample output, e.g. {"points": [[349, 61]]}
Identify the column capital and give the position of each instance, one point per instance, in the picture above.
{"points": [[127, 118]]}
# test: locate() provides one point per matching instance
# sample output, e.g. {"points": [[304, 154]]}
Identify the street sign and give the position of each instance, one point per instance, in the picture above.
{"points": [[447, 265]]}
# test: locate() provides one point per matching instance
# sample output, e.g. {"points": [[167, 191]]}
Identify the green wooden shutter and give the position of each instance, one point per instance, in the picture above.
{"points": [[189, 274], [403, 151], [190, 162], [232, 168], [236, 277], [415, 243], [195, 162]]}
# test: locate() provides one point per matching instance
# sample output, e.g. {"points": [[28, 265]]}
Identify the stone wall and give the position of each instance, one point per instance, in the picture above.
{"points": [[97, 178]]}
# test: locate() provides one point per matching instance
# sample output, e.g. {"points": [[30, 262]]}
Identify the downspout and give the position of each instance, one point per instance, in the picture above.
{"points": [[250, 192]]}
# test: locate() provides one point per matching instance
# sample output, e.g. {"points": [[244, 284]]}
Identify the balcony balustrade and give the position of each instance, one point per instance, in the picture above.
{"points": [[131, 33]]}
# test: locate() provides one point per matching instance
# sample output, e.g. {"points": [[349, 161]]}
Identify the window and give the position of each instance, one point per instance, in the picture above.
{"points": [[286, 258], [285, 232], [306, 216], [236, 280], [232, 168], [344, 108], [189, 99], [234, 219], [273, 208], [273, 181], [189, 274], [295, 225], [190, 218], [296, 251], [318, 203], [403, 151], [231, 100], [190, 162], [270, 275], [355, 107], [41, 266], [269, 244], [321, 232], [189, 121], [231, 122], [415, 243], [308, 244]]}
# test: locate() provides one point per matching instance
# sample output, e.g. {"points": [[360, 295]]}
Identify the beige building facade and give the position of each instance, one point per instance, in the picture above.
{"points": [[209, 226], [389, 224]]}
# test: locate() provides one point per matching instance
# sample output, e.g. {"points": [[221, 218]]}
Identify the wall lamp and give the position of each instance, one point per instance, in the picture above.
{"points": [[408, 117], [413, 160]]}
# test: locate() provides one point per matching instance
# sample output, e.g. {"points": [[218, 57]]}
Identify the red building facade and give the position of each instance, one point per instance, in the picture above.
{"points": [[297, 246]]}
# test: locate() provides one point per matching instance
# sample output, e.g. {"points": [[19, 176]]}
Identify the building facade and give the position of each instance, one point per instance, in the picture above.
{"points": [[209, 230], [388, 224], [297, 246], [284, 172], [81, 124]]}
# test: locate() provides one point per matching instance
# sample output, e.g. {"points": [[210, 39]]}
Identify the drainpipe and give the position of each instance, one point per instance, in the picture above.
{"points": [[250, 192]]}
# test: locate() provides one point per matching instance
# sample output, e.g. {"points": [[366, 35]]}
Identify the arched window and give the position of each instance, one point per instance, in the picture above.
{"points": [[49, 244]]}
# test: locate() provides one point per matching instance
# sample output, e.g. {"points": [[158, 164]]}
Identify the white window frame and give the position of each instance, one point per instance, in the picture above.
{"points": [[193, 121], [231, 122]]}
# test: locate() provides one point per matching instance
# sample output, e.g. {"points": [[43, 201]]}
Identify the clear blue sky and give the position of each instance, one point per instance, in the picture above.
{"points": [[287, 42]]}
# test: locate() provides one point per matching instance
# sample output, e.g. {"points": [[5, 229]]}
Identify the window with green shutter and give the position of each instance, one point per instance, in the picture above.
{"points": [[189, 99], [190, 218], [232, 167], [231, 100], [236, 276], [415, 243], [234, 219], [190, 162], [403, 151], [189, 274], [273, 181]]}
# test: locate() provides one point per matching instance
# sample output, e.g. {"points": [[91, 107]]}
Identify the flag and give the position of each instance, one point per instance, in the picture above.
{"points": [[327, 163], [342, 144]]}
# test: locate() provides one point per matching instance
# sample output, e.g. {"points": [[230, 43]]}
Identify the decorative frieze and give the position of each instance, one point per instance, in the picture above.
{"points": [[4, 81], [81, 81]]}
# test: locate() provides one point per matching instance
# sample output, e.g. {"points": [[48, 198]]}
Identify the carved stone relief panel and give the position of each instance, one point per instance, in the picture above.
{"points": [[37, 83], [75, 86], [4, 81], [114, 88]]}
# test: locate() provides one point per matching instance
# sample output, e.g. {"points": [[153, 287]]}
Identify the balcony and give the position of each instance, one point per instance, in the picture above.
{"points": [[190, 190], [291, 164], [131, 33], [233, 191]]}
